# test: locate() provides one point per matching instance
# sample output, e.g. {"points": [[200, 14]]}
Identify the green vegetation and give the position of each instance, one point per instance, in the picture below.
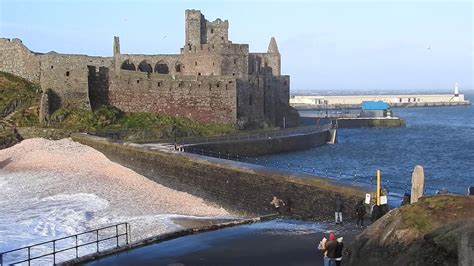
{"points": [[20, 99], [430, 212], [135, 126], [16, 94], [26, 117]]}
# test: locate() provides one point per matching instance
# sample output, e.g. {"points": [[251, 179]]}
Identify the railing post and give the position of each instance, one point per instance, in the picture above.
{"points": [[54, 252], [77, 252], [116, 234], [129, 234], [29, 255], [97, 235]]}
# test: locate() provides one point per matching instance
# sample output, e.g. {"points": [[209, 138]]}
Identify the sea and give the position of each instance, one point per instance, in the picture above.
{"points": [[440, 139]]}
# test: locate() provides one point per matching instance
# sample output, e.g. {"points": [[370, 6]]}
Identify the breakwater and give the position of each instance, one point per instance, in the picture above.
{"points": [[310, 102], [267, 143], [370, 122], [238, 187]]}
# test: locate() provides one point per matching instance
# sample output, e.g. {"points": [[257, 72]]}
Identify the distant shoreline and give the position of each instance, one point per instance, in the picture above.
{"points": [[319, 102]]}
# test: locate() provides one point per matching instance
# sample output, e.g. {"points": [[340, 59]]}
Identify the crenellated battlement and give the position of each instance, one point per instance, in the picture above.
{"points": [[224, 48]]}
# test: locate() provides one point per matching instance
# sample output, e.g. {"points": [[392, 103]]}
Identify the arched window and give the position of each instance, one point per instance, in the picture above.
{"points": [[162, 68], [145, 67], [127, 65]]}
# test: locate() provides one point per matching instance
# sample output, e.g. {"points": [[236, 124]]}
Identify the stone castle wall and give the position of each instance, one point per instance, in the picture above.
{"points": [[67, 77], [17, 59], [207, 99], [211, 80], [216, 59]]}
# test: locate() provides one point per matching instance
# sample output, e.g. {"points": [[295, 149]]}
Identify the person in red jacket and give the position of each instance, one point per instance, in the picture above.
{"points": [[331, 247]]}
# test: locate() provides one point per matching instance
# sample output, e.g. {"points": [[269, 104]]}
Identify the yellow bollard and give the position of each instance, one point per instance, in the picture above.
{"points": [[378, 187]]}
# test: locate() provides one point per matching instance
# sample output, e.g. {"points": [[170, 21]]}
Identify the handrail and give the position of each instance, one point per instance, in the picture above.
{"points": [[353, 178], [241, 136], [97, 240], [256, 136]]}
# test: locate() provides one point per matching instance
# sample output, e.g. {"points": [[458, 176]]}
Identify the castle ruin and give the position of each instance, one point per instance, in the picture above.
{"points": [[210, 80]]}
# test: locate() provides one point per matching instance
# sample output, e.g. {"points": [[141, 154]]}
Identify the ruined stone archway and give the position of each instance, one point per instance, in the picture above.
{"points": [[127, 65], [145, 67], [162, 68]]}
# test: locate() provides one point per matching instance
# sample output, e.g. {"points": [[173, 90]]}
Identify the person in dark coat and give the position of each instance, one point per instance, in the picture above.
{"points": [[338, 251], [406, 199], [339, 209], [360, 212]]}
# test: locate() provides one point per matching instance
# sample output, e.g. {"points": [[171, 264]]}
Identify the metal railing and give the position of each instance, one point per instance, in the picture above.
{"points": [[351, 178], [118, 232], [118, 134], [255, 136]]}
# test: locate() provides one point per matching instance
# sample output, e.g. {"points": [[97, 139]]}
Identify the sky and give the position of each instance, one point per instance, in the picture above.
{"points": [[325, 45]]}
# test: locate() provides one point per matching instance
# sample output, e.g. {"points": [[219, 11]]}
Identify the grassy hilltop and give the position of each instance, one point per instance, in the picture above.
{"points": [[19, 107]]}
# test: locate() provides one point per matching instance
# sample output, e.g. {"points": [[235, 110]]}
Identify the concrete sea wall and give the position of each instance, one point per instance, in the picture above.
{"points": [[253, 148], [370, 122], [241, 188]]}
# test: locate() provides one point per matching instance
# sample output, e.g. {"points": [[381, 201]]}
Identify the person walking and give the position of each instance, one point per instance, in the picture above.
{"points": [[338, 251], [277, 204], [339, 209], [360, 212]]}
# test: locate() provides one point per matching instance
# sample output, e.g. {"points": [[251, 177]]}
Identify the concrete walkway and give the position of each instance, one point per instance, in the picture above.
{"points": [[277, 242]]}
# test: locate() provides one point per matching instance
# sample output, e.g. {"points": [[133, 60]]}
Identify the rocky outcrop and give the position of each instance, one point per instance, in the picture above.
{"points": [[428, 232], [9, 138]]}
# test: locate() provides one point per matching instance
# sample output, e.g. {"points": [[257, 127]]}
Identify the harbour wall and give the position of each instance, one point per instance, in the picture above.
{"points": [[240, 188], [370, 122], [309, 102], [270, 145]]}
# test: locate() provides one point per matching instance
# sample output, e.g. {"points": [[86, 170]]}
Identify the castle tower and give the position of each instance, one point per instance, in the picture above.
{"points": [[116, 54], [194, 27], [273, 58], [273, 47]]}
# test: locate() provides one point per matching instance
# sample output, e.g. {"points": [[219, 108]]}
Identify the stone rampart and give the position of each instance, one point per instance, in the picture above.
{"points": [[193, 97], [239, 187], [263, 146], [17, 59]]}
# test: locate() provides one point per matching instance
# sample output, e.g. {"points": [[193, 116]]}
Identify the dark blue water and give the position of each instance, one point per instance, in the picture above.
{"points": [[441, 139]]}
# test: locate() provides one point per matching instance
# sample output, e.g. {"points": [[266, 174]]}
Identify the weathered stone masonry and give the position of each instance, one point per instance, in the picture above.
{"points": [[211, 79], [238, 187]]}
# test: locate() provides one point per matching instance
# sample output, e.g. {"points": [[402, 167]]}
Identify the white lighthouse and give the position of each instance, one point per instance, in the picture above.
{"points": [[456, 89]]}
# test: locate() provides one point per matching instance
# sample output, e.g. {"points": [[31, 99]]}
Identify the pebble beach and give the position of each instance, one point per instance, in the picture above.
{"points": [[50, 189]]}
